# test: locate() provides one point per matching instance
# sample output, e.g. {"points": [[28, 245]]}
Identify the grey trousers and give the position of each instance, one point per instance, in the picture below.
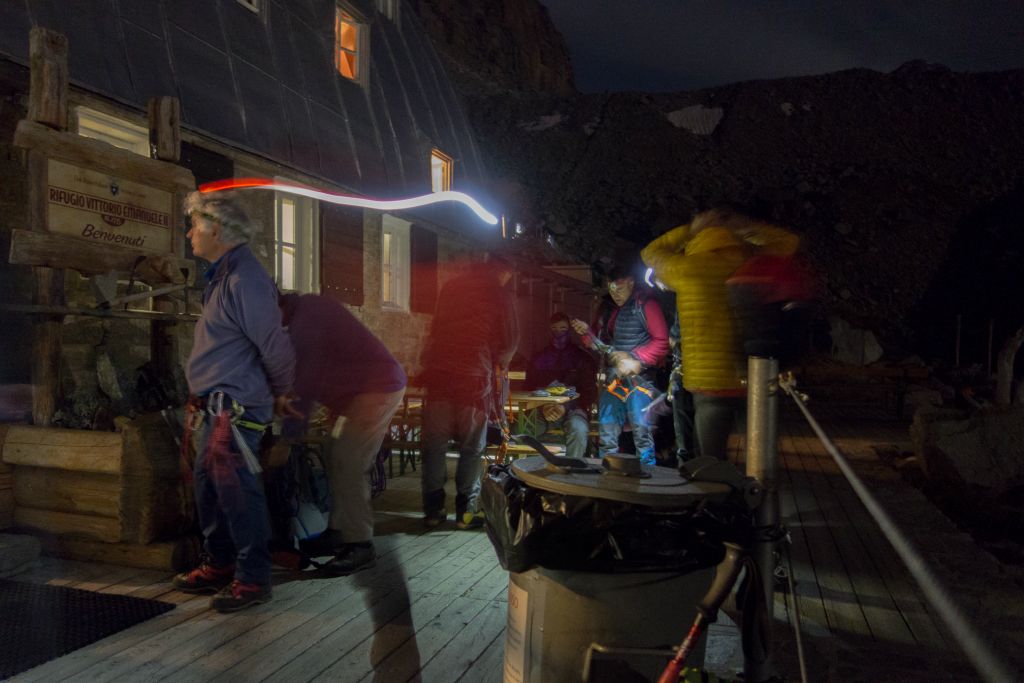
{"points": [[576, 429], [353, 451], [715, 418], [443, 421]]}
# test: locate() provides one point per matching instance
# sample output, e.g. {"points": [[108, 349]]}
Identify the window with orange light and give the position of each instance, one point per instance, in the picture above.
{"points": [[441, 166], [348, 40]]}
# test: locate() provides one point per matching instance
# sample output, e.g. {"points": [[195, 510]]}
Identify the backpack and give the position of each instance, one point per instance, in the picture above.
{"points": [[299, 498], [772, 299]]}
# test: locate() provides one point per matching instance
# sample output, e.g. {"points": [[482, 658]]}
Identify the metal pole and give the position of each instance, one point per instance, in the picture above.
{"points": [[762, 465]]}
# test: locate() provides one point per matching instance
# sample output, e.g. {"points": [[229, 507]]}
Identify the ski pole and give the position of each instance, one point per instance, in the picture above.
{"points": [[707, 610]]}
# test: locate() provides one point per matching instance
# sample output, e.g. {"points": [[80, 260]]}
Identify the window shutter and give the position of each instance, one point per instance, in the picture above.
{"points": [[341, 253], [205, 165], [423, 264]]}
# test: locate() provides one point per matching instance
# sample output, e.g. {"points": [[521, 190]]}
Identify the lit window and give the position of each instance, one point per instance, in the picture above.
{"points": [[348, 44], [440, 171], [253, 5], [118, 132], [394, 263], [296, 247]]}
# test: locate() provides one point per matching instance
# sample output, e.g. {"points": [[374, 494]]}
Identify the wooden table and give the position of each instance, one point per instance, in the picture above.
{"points": [[526, 400]]}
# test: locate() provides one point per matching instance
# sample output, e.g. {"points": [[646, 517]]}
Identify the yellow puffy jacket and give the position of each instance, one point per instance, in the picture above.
{"points": [[696, 268]]}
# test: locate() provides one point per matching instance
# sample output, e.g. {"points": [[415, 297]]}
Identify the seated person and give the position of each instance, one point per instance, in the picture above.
{"points": [[563, 362]]}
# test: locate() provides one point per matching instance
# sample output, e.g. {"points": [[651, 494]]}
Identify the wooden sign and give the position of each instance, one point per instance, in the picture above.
{"points": [[109, 210]]}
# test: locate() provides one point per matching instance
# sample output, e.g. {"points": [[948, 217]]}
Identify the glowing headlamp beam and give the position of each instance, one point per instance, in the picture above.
{"points": [[348, 200]]}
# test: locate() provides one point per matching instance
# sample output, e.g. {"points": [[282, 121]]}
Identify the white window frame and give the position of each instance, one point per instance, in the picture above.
{"points": [[390, 9], [442, 171], [304, 244], [343, 12], [395, 275], [113, 130]]}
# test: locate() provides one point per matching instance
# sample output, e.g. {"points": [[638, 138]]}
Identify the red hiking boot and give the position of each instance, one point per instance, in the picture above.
{"points": [[239, 595], [205, 578]]}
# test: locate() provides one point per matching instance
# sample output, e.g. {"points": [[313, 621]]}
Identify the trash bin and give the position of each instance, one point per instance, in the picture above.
{"points": [[615, 558]]}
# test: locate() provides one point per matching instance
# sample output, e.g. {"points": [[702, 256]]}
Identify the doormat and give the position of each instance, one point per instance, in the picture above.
{"points": [[41, 622]]}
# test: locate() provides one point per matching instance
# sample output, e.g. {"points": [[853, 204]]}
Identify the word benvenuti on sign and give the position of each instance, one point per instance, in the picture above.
{"points": [[113, 211]]}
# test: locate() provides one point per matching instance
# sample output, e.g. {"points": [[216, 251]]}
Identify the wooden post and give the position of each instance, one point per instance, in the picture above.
{"points": [[165, 141], [165, 128], [48, 78], [47, 104]]}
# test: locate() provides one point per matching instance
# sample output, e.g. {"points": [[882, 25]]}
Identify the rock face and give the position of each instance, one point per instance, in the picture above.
{"points": [[875, 171], [879, 172], [491, 45], [978, 455]]}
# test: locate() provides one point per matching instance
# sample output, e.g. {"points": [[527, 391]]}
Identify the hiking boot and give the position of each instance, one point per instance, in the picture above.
{"points": [[433, 508], [434, 518], [239, 595], [352, 558], [205, 578], [470, 520], [327, 543]]}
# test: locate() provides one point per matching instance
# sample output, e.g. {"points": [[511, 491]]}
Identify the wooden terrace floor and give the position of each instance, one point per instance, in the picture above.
{"points": [[433, 609]]}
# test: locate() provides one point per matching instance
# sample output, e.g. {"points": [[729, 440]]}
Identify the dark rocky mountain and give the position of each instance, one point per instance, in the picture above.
{"points": [[894, 180]]}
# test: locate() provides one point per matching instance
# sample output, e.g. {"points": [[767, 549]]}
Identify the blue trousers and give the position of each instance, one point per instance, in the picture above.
{"points": [[612, 414], [231, 505]]}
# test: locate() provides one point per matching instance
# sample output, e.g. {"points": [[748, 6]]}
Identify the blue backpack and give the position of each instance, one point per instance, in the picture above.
{"points": [[299, 498]]}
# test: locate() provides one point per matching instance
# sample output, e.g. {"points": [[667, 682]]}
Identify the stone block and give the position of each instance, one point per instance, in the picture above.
{"points": [[982, 451]]}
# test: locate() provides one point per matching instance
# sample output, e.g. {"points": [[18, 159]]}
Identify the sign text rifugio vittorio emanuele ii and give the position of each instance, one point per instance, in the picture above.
{"points": [[109, 210]]}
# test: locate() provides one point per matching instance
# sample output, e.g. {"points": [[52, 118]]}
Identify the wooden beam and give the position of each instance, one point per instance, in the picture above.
{"points": [[49, 292], [165, 128], [45, 371], [101, 156], [172, 555], [100, 312], [65, 523], [48, 79], [70, 449], [46, 488], [47, 109], [33, 248]]}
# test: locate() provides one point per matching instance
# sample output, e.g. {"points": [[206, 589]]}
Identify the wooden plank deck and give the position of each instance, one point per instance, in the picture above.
{"points": [[433, 609]]}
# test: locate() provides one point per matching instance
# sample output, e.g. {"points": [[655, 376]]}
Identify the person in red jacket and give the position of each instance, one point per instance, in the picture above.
{"points": [[472, 339]]}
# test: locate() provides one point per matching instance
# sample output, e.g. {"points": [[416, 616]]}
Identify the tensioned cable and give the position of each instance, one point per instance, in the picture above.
{"points": [[985, 660], [797, 628]]}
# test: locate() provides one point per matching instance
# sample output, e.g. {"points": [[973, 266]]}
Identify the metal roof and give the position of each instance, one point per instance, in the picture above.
{"points": [[266, 82]]}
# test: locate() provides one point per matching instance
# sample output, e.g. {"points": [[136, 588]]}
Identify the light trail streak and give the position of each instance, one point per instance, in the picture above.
{"points": [[348, 200]]}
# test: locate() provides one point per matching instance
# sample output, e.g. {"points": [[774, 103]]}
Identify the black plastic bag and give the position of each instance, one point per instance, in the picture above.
{"points": [[530, 527]]}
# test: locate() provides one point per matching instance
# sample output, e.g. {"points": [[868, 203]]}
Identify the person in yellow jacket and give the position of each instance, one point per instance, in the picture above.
{"points": [[695, 260]]}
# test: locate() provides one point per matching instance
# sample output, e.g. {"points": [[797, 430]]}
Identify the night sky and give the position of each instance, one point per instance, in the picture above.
{"points": [[672, 45]]}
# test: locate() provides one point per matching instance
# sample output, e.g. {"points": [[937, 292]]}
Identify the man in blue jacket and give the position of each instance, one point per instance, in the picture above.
{"points": [[344, 367], [240, 373]]}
